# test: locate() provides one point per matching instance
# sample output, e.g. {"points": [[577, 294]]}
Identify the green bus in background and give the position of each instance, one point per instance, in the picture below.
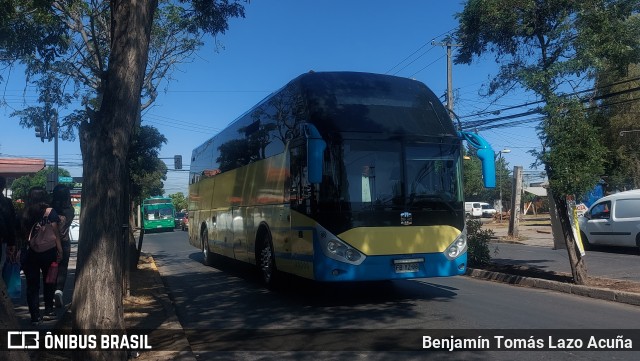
{"points": [[158, 214]]}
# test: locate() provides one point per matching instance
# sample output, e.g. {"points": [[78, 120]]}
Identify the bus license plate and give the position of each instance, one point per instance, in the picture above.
{"points": [[407, 267]]}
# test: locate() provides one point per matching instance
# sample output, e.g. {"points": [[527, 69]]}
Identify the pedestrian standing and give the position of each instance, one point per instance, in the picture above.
{"points": [[7, 224], [61, 203], [39, 217]]}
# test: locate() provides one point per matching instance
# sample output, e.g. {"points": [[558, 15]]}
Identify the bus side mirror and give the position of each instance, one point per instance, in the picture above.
{"points": [[488, 167], [315, 154], [486, 155]]}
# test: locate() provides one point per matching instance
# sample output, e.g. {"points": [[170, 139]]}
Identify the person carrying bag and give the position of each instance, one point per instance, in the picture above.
{"points": [[61, 203], [40, 226]]}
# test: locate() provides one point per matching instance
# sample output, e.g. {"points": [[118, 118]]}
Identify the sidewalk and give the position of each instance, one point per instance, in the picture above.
{"points": [[608, 281], [533, 232], [148, 308]]}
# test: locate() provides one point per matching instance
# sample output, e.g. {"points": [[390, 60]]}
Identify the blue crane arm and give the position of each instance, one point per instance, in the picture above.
{"points": [[486, 155]]}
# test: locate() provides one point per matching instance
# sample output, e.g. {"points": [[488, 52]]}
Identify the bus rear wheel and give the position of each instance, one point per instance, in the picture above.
{"points": [[208, 258], [266, 261]]}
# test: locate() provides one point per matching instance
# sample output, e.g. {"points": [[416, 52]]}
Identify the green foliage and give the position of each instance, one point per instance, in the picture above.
{"points": [[20, 187], [573, 151], [179, 201], [478, 254], [65, 47], [146, 171], [617, 114], [30, 27], [472, 177], [547, 47], [543, 46]]}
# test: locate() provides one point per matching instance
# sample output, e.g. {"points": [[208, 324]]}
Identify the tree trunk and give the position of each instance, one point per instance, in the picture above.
{"points": [[133, 250], [104, 141], [578, 265]]}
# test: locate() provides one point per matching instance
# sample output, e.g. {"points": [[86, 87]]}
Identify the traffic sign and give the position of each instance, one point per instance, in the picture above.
{"points": [[65, 179]]}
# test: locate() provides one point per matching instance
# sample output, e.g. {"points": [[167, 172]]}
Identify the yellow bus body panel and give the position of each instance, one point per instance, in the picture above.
{"points": [[374, 241]]}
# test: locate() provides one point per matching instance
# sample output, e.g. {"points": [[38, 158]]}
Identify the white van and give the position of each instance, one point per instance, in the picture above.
{"points": [[613, 220], [487, 210], [473, 209]]}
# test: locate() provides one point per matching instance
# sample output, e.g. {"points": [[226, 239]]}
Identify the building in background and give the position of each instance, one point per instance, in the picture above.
{"points": [[13, 168]]}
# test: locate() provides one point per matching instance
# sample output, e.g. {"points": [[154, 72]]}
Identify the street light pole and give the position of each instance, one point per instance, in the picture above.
{"points": [[500, 177]]}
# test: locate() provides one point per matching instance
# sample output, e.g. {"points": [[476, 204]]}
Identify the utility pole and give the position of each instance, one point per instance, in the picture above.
{"points": [[514, 219], [54, 133], [449, 73]]}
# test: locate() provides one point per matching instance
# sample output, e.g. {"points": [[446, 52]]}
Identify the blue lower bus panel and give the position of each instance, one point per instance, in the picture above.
{"points": [[376, 268]]}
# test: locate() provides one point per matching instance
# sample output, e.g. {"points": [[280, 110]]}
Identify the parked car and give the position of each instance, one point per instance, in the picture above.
{"points": [[184, 222], [487, 210], [613, 220], [472, 209], [178, 219]]}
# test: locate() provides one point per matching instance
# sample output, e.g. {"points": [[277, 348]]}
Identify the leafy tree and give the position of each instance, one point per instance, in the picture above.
{"points": [[147, 171], [472, 177], [20, 187], [179, 201], [616, 114], [114, 41], [546, 47]]}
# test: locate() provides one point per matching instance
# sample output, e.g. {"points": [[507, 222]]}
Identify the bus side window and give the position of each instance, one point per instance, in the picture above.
{"points": [[297, 188]]}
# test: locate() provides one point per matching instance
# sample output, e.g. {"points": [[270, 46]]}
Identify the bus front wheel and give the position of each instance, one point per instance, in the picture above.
{"points": [[266, 260]]}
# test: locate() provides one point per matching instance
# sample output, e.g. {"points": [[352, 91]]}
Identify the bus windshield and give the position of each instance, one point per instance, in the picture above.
{"points": [[374, 173]]}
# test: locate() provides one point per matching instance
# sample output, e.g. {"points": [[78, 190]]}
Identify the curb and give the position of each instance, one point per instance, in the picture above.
{"points": [[579, 290]]}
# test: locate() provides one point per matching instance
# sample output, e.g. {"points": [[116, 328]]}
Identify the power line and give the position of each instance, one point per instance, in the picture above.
{"points": [[415, 52], [484, 123]]}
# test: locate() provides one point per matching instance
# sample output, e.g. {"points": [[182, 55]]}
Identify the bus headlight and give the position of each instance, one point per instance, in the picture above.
{"points": [[338, 250], [458, 247], [333, 246], [352, 255]]}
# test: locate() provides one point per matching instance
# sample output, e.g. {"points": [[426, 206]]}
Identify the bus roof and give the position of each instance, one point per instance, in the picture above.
{"points": [[349, 104], [372, 103]]}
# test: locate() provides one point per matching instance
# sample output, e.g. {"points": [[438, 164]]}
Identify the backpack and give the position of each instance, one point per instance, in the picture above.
{"points": [[42, 237]]}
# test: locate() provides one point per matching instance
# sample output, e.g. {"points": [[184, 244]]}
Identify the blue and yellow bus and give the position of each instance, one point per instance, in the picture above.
{"points": [[338, 176], [158, 214]]}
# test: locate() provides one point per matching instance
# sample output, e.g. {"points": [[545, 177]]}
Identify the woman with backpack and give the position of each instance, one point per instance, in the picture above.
{"points": [[40, 227], [61, 203]]}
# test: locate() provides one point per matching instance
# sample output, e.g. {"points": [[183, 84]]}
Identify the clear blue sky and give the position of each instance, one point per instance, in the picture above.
{"points": [[274, 43]]}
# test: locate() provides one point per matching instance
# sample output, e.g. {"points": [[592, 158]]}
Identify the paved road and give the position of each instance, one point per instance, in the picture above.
{"points": [[225, 309], [535, 247]]}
